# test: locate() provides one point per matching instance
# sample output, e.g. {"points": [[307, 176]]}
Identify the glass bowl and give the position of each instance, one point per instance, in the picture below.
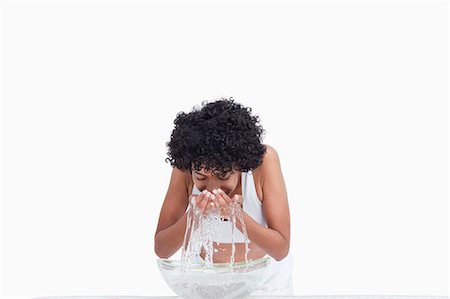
{"points": [[220, 281]]}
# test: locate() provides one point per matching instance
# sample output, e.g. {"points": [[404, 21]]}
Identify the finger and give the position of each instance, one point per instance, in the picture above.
{"points": [[213, 203], [216, 202], [206, 203], [201, 197], [225, 208], [223, 196], [220, 200], [209, 205], [239, 199], [201, 202]]}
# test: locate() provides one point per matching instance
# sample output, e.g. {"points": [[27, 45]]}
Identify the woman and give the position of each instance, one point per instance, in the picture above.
{"points": [[217, 159]]}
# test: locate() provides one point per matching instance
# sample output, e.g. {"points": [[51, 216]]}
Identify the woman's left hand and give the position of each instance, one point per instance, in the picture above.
{"points": [[224, 203]]}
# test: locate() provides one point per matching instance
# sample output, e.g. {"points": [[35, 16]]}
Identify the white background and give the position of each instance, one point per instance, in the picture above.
{"points": [[353, 96]]}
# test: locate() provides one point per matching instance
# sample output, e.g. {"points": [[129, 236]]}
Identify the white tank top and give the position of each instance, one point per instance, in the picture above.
{"points": [[251, 205], [277, 279]]}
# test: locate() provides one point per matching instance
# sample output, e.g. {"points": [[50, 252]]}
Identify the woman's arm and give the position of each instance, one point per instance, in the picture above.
{"points": [[169, 240], [275, 239], [169, 234]]}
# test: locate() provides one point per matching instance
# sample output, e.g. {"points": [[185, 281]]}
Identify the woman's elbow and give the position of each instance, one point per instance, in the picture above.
{"points": [[284, 253], [280, 257], [159, 250], [159, 253]]}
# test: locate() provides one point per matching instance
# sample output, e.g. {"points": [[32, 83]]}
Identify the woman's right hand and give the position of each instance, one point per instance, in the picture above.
{"points": [[202, 201]]}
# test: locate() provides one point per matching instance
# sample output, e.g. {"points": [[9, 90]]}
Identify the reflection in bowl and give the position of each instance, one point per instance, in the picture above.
{"points": [[220, 281]]}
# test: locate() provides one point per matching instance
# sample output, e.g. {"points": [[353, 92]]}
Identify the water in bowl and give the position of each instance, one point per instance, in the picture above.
{"points": [[196, 282]]}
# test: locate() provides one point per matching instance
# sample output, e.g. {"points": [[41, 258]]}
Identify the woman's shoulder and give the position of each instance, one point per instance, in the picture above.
{"points": [[260, 173], [270, 151], [270, 160], [182, 179]]}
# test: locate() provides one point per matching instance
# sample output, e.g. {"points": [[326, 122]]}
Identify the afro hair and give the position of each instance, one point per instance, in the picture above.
{"points": [[219, 136]]}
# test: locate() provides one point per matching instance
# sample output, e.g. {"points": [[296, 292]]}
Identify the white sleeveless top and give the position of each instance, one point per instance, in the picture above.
{"points": [[278, 276]]}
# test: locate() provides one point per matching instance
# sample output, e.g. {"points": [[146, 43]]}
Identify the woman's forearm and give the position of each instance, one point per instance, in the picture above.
{"points": [[170, 239], [270, 240]]}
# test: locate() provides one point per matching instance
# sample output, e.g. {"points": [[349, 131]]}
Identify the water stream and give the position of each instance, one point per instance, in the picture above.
{"points": [[198, 235]]}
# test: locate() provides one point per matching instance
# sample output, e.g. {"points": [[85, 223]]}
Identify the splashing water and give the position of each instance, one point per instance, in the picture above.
{"points": [[198, 234], [196, 278]]}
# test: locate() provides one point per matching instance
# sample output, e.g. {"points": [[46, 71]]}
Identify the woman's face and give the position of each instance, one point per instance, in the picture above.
{"points": [[209, 181]]}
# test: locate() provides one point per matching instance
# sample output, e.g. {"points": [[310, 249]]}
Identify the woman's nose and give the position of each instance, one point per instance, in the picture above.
{"points": [[210, 188]]}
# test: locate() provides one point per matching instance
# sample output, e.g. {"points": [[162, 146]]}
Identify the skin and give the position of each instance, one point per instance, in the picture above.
{"points": [[223, 191]]}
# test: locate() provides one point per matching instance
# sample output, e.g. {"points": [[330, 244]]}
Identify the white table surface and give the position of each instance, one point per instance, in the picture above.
{"points": [[257, 297]]}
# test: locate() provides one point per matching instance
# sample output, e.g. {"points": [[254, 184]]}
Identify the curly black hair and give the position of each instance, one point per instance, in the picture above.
{"points": [[219, 136]]}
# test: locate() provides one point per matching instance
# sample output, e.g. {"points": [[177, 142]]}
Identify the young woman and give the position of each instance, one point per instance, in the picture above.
{"points": [[218, 158]]}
